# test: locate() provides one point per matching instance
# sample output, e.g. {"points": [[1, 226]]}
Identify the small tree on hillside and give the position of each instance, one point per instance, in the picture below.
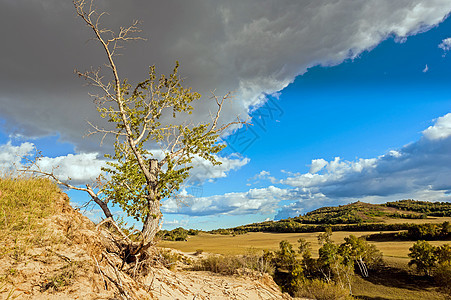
{"points": [[138, 177]]}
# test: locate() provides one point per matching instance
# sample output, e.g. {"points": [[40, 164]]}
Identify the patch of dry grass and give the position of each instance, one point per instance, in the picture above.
{"points": [[24, 202], [429, 219]]}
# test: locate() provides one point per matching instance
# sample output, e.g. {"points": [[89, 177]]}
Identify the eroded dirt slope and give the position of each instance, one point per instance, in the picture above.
{"points": [[70, 263]]}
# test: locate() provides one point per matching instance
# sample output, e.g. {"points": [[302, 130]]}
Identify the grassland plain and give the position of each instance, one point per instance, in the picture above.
{"points": [[240, 244], [396, 281]]}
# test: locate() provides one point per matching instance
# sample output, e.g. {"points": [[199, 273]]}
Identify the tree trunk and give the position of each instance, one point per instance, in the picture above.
{"points": [[152, 222]]}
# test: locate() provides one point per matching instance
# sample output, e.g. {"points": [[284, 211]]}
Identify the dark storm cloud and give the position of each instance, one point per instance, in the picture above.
{"points": [[251, 47]]}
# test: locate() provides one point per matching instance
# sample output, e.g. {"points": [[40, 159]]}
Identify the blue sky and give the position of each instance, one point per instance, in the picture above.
{"points": [[358, 115]]}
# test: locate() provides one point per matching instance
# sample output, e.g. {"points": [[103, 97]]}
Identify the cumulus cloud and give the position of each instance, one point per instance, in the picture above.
{"points": [[79, 168], [418, 170], [203, 170], [263, 175], [254, 201], [254, 48], [11, 157], [317, 165], [86, 167], [440, 130]]}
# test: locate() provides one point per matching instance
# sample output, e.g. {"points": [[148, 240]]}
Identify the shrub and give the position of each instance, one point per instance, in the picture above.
{"points": [[320, 290], [423, 256], [227, 265]]}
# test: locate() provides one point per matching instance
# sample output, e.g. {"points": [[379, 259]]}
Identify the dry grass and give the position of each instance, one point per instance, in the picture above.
{"points": [[240, 244], [24, 202], [417, 221]]}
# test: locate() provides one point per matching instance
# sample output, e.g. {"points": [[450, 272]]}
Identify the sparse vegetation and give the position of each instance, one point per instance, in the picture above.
{"points": [[62, 278], [232, 264], [24, 202]]}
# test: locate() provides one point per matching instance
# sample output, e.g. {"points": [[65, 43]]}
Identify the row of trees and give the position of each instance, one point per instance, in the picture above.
{"points": [[295, 227], [438, 209], [415, 232], [177, 234]]}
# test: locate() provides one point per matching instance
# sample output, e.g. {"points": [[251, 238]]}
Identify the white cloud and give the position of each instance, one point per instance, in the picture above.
{"points": [[317, 165], [11, 156], [440, 130], [80, 168], [77, 168], [426, 68], [255, 201], [203, 170], [263, 175], [445, 45], [84, 168]]}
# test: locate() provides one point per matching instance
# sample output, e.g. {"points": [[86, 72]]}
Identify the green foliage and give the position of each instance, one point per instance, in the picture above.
{"points": [[232, 231], [359, 250], [177, 234], [423, 256], [138, 124], [443, 254], [437, 209], [347, 214], [357, 216], [407, 216], [429, 231], [288, 273], [433, 261]]}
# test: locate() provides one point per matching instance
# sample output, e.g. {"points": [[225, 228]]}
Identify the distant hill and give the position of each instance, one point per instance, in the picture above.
{"points": [[355, 216]]}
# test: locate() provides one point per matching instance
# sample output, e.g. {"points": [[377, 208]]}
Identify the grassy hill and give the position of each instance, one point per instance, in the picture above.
{"points": [[358, 216]]}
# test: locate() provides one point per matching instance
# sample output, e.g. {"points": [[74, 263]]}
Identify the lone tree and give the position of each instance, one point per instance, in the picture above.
{"points": [[138, 177]]}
